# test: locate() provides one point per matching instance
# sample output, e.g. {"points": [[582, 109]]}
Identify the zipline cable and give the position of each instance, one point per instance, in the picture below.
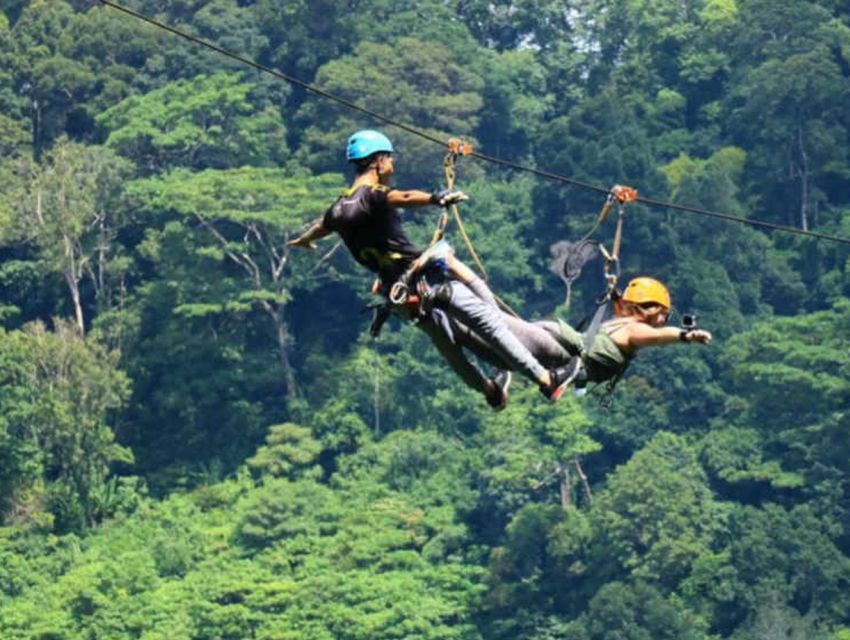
{"points": [[481, 156], [755, 223]]}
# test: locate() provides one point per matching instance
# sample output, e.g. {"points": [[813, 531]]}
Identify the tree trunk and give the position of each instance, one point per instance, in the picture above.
{"points": [[36, 130], [566, 486], [283, 351], [102, 297], [73, 281], [804, 182], [74, 287], [804, 214], [584, 482]]}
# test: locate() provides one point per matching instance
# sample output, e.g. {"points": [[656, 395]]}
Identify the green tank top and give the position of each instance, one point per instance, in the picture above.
{"points": [[604, 360]]}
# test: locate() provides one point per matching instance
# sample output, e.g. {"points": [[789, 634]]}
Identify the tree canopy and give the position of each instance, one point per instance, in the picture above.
{"points": [[198, 438]]}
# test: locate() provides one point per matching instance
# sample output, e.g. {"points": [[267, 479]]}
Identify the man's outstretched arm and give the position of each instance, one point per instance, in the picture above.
{"points": [[415, 198], [306, 239]]}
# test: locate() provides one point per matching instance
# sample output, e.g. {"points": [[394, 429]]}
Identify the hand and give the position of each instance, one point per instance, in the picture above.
{"points": [[699, 335], [302, 242], [447, 197]]}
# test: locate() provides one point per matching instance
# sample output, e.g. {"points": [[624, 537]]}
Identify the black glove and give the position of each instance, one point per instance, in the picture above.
{"points": [[446, 197], [378, 319]]}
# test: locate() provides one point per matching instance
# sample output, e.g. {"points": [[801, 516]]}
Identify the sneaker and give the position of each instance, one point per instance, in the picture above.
{"points": [[561, 378], [498, 398]]}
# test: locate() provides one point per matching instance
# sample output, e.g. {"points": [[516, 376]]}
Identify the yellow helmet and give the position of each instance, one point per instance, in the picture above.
{"points": [[643, 290]]}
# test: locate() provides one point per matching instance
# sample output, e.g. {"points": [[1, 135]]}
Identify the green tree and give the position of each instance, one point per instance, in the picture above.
{"points": [[305, 35], [657, 514], [759, 272], [512, 25], [777, 572], [413, 81], [523, 571], [516, 101], [9, 99], [14, 140], [284, 509], [532, 450], [67, 211], [205, 122], [793, 124], [54, 85], [122, 57], [289, 452], [791, 384], [57, 405], [245, 215], [639, 612]]}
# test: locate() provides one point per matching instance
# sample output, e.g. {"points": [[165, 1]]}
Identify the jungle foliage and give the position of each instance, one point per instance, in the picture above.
{"points": [[199, 440]]}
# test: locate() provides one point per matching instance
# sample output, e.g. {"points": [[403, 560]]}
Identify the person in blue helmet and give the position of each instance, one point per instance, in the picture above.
{"points": [[366, 218]]}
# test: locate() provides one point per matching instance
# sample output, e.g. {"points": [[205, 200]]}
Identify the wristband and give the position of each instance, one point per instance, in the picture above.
{"points": [[683, 335]]}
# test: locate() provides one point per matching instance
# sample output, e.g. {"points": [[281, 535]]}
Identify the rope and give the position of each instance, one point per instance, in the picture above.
{"points": [[457, 147], [481, 156], [440, 231], [449, 166]]}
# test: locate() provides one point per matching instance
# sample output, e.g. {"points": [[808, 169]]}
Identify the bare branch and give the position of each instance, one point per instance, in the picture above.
{"points": [[327, 256], [242, 259]]}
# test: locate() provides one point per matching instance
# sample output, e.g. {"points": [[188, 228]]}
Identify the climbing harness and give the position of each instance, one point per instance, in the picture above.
{"points": [[411, 296], [410, 292], [439, 253]]}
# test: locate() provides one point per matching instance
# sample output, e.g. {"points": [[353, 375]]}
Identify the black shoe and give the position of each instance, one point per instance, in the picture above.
{"points": [[561, 378], [498, 397]]}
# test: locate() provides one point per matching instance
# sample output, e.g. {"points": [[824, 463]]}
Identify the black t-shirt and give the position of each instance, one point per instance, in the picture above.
{"points": [[372, 231]]}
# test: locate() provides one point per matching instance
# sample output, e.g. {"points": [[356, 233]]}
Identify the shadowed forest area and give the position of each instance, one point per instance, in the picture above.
{"points": [[200, 441]]}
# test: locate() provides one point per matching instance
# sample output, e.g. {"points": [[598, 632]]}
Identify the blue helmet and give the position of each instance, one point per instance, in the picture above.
{"points": [[366, 142]]}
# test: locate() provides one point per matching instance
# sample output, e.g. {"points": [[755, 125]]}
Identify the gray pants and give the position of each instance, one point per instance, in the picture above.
{"points": [[540, 338], [470, 312]]}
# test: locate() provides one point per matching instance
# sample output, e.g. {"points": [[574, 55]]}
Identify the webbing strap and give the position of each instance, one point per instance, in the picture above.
{"points": [[595, 323], [621, 195], [612, 259]]}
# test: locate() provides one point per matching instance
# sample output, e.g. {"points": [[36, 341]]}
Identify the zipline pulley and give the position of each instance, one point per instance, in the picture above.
{"points": [[620, 195]]}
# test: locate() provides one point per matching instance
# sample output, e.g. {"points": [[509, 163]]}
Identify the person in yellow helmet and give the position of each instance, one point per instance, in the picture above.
{"points": [[640, 319]]}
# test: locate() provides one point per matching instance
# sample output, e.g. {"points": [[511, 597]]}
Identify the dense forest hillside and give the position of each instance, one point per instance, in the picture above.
{"points": [[200, 441]]}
